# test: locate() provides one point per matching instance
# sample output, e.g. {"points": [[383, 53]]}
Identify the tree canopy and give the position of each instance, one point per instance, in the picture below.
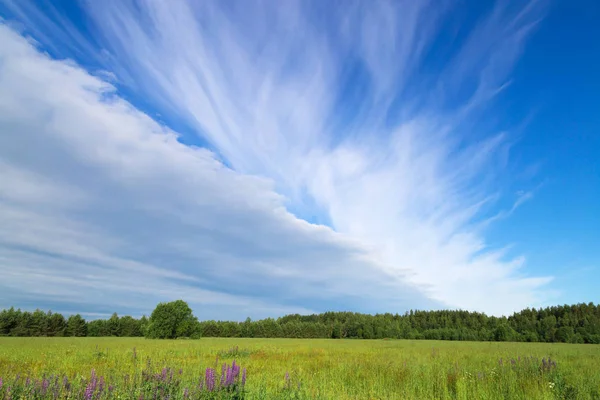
{"points": [[172, 320], [579, 323]]}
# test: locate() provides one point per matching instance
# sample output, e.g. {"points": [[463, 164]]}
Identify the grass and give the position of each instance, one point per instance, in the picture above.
{"points": [[326, 369]]}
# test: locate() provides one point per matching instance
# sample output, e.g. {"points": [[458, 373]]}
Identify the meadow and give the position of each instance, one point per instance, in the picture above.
{"points": [[299, 368]]}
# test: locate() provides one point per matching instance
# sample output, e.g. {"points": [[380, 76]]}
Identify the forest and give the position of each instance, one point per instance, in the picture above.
{"points": [[579, 323]]}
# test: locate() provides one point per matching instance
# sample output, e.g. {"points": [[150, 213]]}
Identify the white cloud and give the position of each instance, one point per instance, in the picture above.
{"points": [[400, 167], [100, 205]]}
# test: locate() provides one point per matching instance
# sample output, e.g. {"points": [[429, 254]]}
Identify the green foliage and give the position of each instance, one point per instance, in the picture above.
{"points": [[23, 323], [570, 324], [172, 320], [234, 353], [76, 326], [317, 368], [578, 323], [113, 325]]}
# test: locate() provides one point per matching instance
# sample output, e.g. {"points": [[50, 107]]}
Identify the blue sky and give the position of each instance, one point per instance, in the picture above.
{"points": [[258, 159]]}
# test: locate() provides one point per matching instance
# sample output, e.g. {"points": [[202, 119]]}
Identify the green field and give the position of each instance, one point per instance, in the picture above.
{"points": [[326, 369]]}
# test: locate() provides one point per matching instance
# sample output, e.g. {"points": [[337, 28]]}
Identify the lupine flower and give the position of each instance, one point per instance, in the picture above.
{"points": [[210, 379], [45, 384], [228, 375], [235, 368], [156, 386], [223, 372], [88, 392], [91, 386]]}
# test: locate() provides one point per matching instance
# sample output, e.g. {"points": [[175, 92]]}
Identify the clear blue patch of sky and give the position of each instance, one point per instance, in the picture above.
{"points": [[556, 89]]}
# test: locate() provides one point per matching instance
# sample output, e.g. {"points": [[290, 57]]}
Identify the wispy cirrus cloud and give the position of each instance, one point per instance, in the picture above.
{"points": [[100, 205], [367, 114]]}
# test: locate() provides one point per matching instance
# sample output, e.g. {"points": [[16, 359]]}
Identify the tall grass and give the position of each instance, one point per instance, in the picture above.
{"points": [[312, 369]]}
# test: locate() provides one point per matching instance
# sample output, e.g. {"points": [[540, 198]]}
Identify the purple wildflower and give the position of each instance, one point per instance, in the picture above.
{"points": [[186, 393], [210, 379], [45, 384], [1, 382], [243, 376], [88, 392], [223, 372], [229, 377], [91, 386]]}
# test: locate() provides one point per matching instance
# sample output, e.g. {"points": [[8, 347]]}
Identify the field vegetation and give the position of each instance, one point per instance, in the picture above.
{"points": [[133, 368], [69, 360]]}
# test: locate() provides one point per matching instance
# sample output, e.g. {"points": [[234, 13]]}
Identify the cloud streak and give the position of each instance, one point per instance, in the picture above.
{"points": [[105, 206], [348, 113]]}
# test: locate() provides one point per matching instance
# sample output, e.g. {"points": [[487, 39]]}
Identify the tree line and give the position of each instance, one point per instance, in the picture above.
{"points": [[579, 323]]}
